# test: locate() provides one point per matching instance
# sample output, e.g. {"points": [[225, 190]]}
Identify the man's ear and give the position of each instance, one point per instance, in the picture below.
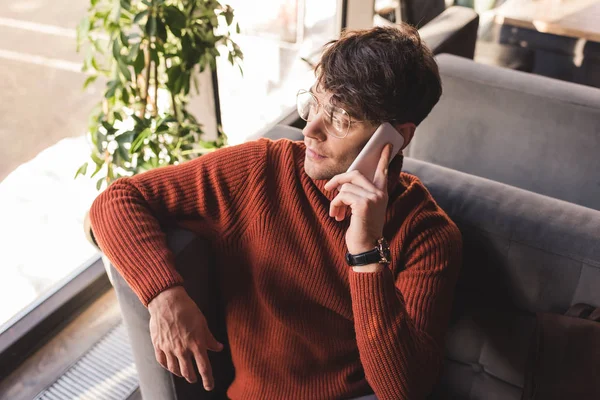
{"points": [[407, 130]]}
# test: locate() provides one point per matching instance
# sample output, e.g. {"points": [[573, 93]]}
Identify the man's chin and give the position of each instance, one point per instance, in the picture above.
{"points": [[316, 173]]}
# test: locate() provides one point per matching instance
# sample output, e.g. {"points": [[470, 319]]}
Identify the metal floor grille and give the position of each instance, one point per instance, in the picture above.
{"points": [[105, 372]]}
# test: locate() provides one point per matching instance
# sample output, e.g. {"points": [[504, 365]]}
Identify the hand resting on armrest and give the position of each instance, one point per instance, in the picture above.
{"points": [[179, 334]]}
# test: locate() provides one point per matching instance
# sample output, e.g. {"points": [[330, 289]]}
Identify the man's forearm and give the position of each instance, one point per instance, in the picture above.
{"points": [[399, 360]]}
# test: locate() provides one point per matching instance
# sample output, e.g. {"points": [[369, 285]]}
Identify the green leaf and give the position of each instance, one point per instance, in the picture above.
{"points": [[98, 168], [124, 70], [167, 119], [99, 183], [133, 52], [139, 63], [151, 26], [81, 171], [175, 20], [161, 30], [116, 49], [162, 128], [228, 16], [124, 39], [237, 28], [138, 121], [95, 64], [125, 95], [139, 141], [172, 74], [110, 92], [125, 137], [139, 16], [154, 147], [126, 4], [90, 79], [109, 128], [97, 160], [178, 83], [117, 116], [186, 82], [187, 49], [122, 151]]}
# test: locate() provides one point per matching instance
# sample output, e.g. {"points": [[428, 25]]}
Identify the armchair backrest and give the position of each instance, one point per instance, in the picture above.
{"points": [[528, 131], [522, 253]]}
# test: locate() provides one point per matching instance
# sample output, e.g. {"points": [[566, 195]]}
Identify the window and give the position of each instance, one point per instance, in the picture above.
{"points": [[43, 143], [45, 116], [280, 40]]}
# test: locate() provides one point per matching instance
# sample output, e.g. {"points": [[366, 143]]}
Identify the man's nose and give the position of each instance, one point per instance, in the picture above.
{"points": [[315, 128]]}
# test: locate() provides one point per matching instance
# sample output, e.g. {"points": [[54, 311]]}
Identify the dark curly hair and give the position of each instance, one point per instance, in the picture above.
{"points": [[381, 74]]}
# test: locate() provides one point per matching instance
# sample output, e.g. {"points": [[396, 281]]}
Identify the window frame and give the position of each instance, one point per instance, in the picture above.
{"points": [[34, 326]]}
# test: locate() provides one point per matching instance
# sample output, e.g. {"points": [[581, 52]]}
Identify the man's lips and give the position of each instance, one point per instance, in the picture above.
{"points": [[313, 154]]}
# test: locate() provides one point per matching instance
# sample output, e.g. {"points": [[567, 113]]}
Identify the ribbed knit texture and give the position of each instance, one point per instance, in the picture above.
{"points": [[301, 324]]}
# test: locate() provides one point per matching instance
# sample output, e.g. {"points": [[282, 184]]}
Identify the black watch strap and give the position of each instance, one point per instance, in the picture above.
{"points": [[365, 258]]}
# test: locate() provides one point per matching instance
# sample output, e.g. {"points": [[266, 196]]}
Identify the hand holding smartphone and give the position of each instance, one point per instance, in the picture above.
{"points": [[367, 160]]}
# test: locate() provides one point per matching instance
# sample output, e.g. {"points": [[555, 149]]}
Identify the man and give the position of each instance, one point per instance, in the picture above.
{"points": [[302, 321]]}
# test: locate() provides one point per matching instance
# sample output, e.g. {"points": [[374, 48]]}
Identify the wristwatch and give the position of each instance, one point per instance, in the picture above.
{"points": [[380, 254]]}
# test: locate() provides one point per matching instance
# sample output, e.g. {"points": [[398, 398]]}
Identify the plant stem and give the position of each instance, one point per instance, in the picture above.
{"points": [[174, 106], [148, 62], [155, 88]]}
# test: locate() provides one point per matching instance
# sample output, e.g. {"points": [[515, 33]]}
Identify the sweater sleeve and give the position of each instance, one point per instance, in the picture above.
{"points": [[129, 217], [400, 321]]}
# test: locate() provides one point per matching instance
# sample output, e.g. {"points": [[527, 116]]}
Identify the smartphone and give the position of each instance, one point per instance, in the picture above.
{"points": [[367, 160]]}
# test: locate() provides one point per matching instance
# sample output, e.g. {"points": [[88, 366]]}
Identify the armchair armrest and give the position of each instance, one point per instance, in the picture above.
{"points": [[195, 263]]}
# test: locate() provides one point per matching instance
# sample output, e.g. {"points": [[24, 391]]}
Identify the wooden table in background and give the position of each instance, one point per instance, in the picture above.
{"points": [[572, 18]]}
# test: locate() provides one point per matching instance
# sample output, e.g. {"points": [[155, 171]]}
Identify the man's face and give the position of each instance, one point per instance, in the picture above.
{"points": [[327, 155]]}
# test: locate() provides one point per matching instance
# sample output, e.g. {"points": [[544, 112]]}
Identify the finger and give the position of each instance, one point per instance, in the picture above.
{"points": [[359, 191], [354, 177], [187, 368], [380, 180], [213, 344], [338, 205], [173, 364], [339, 213], [161, 358], [204, 368]]}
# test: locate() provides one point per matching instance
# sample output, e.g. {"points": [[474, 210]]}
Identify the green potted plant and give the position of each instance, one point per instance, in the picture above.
{"points": [[150, 51]]}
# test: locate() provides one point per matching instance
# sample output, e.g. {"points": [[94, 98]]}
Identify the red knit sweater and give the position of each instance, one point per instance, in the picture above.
{"points": [[300, 323]]}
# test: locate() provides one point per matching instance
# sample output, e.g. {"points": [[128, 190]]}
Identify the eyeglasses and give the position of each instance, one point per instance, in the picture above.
{"points": [[337, 120]]}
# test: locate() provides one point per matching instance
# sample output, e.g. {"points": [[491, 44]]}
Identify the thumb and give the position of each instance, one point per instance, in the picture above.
{"points": [[213, 344]]}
